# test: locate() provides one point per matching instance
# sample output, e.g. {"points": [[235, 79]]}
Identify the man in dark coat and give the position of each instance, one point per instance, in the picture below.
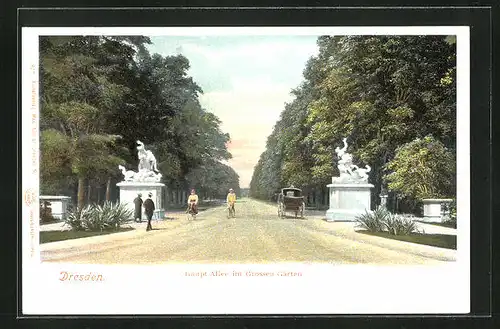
{"points": [[149, 206], [138, 208]]}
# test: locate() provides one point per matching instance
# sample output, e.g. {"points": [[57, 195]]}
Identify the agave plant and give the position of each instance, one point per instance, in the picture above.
{"points": [[399, 225], [99, 218], [373, 221], [115, 214], [76, 219]]}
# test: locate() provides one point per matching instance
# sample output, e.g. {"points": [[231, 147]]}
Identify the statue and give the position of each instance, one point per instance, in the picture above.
{"points": [[146, 158], [128, 174], [362, 173], [349, 172], [147, 168]]}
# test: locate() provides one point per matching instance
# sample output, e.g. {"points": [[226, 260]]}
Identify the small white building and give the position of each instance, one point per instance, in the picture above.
{"points": [[59, 205]]}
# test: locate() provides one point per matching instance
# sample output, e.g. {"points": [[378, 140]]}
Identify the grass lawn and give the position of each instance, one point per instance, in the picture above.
{"points": [[51, 236], [435, 240], [50, 221], [445, 224]]}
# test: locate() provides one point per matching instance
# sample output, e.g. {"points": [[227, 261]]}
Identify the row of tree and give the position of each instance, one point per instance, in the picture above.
{"points": [[99, 94], [393, 97]]}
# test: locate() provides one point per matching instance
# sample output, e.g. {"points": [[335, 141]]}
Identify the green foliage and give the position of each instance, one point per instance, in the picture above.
{"points": [[450, 214], [99, 94], [381, 220], [99, 218], [214, 180], [78, 217], [46, 212], [423, 168], [399, 225], [373, 221], [379, 91]]}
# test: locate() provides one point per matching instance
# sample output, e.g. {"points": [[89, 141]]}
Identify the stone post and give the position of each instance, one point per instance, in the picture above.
{"points": [[383, 201]]}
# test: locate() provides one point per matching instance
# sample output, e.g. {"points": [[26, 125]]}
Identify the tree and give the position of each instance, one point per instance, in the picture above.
{"points": [[422, 169], [379, 91], [78, 94], [102, 93]]}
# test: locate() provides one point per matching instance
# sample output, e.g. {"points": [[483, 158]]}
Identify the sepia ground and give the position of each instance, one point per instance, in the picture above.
{"points": [[256, 235]]}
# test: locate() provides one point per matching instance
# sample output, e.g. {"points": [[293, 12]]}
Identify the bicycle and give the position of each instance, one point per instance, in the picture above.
{"points": [[191, 212]]}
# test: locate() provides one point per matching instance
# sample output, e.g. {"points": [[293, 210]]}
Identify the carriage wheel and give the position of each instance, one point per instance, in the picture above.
{"points": [[283, 211]]}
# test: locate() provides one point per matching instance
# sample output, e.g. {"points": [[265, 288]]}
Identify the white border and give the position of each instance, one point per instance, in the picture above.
{"points": [[322, 289]]}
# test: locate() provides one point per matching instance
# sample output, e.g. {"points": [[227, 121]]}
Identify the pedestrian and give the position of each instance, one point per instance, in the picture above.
{"points": [[231, 200], [138, 208], [149, 206]]}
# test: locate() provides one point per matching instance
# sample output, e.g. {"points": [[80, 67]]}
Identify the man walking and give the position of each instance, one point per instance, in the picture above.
{"points": [[138, 208], [149, 206], [231, 200]]}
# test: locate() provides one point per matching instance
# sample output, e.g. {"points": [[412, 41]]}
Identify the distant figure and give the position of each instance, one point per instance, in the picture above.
{"points": [[193, 202], [149, 206], [138, 208], [231, 200]]}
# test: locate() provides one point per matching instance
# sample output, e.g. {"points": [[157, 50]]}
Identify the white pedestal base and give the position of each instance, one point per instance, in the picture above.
{"points": [[58, 204], [129, 191], [432, 209], [347, 201]]}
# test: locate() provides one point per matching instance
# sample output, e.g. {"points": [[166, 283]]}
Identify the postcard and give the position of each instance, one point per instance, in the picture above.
{"points": [[245, 170]]}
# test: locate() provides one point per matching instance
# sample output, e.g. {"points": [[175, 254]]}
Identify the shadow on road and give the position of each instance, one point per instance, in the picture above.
{"points": [[337, 221], [291, 217]]}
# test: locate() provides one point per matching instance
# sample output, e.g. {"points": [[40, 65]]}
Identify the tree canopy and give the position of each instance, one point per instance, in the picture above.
{"points": [[381, 92], [99, 94]]}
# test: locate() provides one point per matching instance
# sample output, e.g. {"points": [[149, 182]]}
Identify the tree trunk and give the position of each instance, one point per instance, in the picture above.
{"points": [[108, 189], [81, 192], [89, 190]]}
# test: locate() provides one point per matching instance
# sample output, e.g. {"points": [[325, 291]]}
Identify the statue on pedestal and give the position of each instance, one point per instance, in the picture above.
{"points": [[147, 168]]}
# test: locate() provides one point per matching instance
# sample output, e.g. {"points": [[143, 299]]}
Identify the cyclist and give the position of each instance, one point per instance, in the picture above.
{"points": [[193, 202], [231, 200]]}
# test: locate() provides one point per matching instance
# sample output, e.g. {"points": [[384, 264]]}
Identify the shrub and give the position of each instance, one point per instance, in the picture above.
{"points": [[421, 169], [381, 220], [77, 219], [400, 225], [450, 214], [46, 212], [373, 221], [99, 218]]}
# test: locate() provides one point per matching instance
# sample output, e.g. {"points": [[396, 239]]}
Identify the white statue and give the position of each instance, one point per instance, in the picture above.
{"points": [[349, 172], [128, 174], [362, 173], [341, 151], [148, 170], [146, 158]]}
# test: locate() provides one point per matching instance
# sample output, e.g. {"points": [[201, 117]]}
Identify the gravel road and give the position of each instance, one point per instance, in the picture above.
{"points": [[256, 235]]}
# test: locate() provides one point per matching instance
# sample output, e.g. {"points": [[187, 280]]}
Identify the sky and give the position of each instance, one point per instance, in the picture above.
{"points": [[246, 81]]}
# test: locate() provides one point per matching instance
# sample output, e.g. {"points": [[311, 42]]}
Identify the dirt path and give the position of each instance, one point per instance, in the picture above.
{"points": [[256, 235]]}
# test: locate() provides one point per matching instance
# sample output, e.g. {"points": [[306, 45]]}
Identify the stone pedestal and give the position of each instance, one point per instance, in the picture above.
{"points": [[59, 205], [432, 209], [348, 200], [383, 200], [129, 191]]}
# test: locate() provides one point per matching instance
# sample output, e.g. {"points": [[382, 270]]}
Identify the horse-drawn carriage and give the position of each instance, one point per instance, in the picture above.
{"points": [[291, 200]]}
